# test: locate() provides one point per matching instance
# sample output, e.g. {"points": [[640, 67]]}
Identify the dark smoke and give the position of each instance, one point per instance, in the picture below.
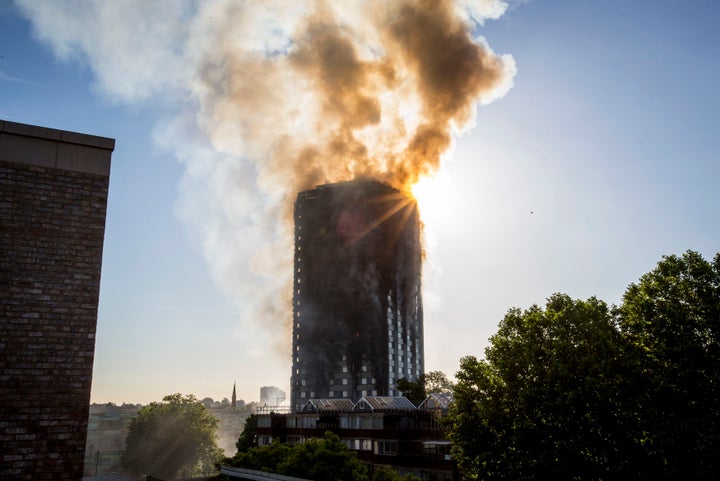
{"points": [[273, 97], [360, 89]]}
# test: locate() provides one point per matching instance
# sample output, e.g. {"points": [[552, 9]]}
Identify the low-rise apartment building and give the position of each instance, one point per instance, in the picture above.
{"points": [[383, 430]]}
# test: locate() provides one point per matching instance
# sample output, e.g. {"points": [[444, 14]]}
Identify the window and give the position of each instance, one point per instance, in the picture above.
{"points": [[263, 421], [359, 444], [344, 422], [301, 421], [388, 448], [361, 422], [437, 448], [264, 440], [309, 422]]}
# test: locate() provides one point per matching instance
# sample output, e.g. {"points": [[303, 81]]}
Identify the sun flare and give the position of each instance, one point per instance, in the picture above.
{"points": [[432, 194]]}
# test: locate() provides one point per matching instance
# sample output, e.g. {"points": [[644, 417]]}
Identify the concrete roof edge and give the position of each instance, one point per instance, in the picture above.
{"points": [[48, 133]]}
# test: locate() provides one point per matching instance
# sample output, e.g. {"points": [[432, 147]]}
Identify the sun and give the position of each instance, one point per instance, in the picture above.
{"points": [[433, 195]]}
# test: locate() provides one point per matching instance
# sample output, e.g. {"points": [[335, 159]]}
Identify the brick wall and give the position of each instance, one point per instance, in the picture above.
{"points": [[53, 196]]}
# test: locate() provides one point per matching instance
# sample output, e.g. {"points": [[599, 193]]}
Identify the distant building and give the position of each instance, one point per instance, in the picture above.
{"points": [[357, 305], [271, 396], [53, 197], [382, 430], [107, 434]]}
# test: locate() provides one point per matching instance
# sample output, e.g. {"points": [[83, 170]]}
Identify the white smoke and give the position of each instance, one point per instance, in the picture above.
{"points": [[265, 98]]}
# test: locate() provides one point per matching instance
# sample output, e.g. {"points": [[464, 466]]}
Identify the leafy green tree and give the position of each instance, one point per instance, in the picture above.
{"points": [[576, 390], [247, 437], [413, 390], [428, 383], [262, 458], [326, 459], [172, 438], [551, 400], [386, 473], [673, 315], [437, 382]]}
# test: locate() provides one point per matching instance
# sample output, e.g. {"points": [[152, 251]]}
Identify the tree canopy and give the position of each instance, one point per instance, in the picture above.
{"points": [[579, 390], [428, 383], [172, 438], [247, 439], [672, 315], [326, 459]]}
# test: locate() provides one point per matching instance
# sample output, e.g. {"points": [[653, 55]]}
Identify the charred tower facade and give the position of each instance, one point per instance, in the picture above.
{"points": [[357, 305]]}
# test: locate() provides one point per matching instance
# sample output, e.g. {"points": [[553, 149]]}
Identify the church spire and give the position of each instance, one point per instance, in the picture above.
{"points": [[234, 397]]}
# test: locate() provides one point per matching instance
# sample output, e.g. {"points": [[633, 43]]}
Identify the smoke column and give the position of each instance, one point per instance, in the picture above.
{"points": [[268, 98]]}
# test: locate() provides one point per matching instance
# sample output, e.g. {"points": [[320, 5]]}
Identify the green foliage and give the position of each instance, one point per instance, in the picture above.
{"points": [[263, 458], [437, 382], [413, 390], [172, 438], [326, 459], [247, 437], [673, 315], [386, 473], [576, 390], [534, 408], [429, 383]]}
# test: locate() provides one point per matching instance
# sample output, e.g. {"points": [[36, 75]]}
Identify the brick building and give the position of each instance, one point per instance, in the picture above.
{"points": [[53, 197]]}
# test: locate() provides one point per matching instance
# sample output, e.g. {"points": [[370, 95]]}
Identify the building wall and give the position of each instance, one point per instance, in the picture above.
{"points": [[231, 423], [53, 195], [106, 437], [357, 307]]}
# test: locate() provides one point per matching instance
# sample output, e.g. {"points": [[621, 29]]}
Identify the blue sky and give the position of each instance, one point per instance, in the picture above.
{"points": [[601, 158]]}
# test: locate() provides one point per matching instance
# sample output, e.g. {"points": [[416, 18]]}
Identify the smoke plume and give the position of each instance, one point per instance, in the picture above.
{"points": [[267, 98]]}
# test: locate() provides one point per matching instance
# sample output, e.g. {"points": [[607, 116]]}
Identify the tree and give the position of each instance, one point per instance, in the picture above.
{"points": [[247, 437], [673, 315], [176, 436], [437, 382], [386, 473], [326, 459], [262, 458], [429, 383], [551, 399], [576, 390], [413, 390]]}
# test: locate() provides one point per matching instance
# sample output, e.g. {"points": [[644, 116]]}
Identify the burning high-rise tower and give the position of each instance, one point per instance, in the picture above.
{"points": [[357, 306]]}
